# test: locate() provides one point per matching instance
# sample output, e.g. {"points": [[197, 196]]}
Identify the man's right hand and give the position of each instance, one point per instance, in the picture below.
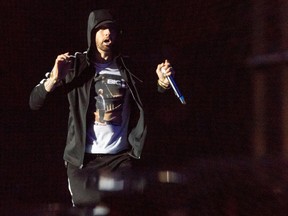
{"points": [[61, 67]]}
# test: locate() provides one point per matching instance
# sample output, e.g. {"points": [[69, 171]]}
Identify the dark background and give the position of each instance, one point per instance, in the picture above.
{"points": [[230, 64]]}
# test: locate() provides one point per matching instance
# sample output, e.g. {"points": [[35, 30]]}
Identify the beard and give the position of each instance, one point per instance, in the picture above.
{"points": [[105, 46]]}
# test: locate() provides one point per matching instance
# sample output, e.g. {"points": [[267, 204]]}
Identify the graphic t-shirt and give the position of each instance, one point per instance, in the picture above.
{"points": [[109, 111]]}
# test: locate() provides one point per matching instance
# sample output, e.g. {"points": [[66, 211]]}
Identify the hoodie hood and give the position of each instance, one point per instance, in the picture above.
{"points": [[96, 19]]}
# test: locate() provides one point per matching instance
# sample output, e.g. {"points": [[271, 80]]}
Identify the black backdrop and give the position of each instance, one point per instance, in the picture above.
{"points": [[206, 42]]}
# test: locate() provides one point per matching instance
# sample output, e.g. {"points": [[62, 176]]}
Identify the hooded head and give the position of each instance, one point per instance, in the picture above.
{"points": [[96, 19]]}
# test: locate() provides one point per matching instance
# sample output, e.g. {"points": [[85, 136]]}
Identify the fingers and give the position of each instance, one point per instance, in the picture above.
{"points": [[64, 58], [159, 66], [163, 66], [62, 64], [167, 71], [166, 68]]}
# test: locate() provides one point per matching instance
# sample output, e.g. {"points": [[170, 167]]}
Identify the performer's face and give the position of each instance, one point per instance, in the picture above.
{"points": [[105, 38]]}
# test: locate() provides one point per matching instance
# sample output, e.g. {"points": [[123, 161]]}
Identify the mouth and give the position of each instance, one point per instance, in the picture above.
{"points": [[107, 42]]}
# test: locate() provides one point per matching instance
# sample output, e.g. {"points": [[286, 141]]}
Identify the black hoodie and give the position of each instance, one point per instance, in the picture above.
{"points": [[96, 19], [77, 85]]}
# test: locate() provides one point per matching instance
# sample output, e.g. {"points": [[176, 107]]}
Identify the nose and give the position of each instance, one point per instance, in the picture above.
{"points": [[107, 32]]}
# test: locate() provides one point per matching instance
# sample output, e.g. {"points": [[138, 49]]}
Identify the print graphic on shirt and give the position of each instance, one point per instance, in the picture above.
{"points": [[110, 92]]}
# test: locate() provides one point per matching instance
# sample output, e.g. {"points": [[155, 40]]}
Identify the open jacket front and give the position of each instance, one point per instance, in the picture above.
{"points": [[77, 85]]}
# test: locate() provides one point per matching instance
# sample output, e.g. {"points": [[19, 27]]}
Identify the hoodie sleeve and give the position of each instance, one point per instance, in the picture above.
{"points": [[161, 89], [38, 95]]}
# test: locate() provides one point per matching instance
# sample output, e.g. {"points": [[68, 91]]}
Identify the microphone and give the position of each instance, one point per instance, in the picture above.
{"points": [[175, 87]]}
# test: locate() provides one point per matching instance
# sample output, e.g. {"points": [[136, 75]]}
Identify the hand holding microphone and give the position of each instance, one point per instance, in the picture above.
{"points": [[165, 73]]}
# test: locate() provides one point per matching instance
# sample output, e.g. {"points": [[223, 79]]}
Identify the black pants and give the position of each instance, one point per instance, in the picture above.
{"points": [[100, 175]]}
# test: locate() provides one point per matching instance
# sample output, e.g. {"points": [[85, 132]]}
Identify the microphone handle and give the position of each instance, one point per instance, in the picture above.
{"points": [[176, 89]]}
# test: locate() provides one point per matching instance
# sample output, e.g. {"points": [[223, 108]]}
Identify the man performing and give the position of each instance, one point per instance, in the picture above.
{"points": [[101, 137]]}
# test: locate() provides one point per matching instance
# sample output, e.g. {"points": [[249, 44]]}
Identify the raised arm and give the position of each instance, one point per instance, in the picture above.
{"points": [[63, 64]]}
